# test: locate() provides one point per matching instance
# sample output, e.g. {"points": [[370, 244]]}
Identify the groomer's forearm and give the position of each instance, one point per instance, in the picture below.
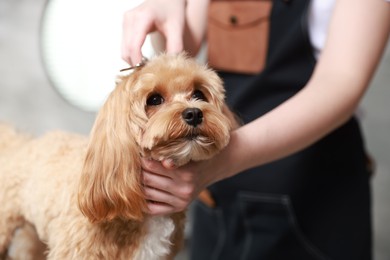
{"points": [[330, 98], [291, 127], [294, 125], [341, 77]]}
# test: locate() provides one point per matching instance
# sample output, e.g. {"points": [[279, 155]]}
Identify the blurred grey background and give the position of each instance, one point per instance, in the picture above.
{"points": [[28, 101]]}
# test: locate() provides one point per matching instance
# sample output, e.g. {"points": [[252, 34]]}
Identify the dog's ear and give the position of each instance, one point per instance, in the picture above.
{"points": [[110, 185]]}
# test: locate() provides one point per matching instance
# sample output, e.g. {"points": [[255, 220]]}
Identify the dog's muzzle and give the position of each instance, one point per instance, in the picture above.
{"points": [[192, 116]]}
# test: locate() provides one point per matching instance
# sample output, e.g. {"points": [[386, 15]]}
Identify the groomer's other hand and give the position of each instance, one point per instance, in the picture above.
{"points": [[165, 16], [169, 189]]}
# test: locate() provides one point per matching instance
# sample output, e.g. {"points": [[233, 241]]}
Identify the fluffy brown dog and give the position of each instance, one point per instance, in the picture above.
{"points": [[85, 198]]}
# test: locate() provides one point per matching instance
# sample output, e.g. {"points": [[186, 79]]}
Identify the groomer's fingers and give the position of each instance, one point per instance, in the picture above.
{"points": [[164, 192], [150, 165], [165, 16], [157, 181], [152, 194], [160, 202], [156, 208], [136, 29], [168, 164], [136, 25], [178, 188], [174, 36]]}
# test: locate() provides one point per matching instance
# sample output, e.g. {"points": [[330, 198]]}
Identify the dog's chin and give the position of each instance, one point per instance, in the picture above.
{"points": [[192, 147]]}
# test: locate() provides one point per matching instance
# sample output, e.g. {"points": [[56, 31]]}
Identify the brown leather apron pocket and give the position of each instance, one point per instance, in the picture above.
{"points": [[237, 35]]}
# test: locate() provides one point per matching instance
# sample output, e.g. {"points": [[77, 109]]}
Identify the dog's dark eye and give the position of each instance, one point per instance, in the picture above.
{"points": [[199, 95], [155, 100]]}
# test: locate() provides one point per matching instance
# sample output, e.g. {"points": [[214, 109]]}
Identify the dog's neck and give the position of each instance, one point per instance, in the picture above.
{"points": [[157, 241], [149, 239], [122, 232]]}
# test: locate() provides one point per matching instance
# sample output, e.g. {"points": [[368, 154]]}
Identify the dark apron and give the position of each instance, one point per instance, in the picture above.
{"points": [[314, 204]]}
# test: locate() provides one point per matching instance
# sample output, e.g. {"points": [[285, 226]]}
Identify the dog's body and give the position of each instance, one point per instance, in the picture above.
{"points": [[42, 177], [84, 195]]}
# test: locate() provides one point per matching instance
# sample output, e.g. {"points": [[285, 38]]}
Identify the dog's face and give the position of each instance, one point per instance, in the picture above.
{"points": [[179, 109], [171, 108]]}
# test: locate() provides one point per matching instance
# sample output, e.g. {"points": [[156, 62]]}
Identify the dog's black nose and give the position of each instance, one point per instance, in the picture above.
{"points": [[192, 116]]}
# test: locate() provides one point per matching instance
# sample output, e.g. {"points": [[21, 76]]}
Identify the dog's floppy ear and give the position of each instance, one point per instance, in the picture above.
{"points": [[110, 185]]}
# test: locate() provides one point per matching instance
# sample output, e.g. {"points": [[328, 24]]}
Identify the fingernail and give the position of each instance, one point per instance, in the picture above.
{"points": [[169, 163]]}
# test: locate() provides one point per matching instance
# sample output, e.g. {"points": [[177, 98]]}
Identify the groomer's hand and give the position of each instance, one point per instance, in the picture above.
{"points": [[169, 189], [165, 16]]}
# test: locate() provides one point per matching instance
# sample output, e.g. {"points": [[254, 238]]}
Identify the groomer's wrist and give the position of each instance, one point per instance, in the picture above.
{"points": [[227, 162]]}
